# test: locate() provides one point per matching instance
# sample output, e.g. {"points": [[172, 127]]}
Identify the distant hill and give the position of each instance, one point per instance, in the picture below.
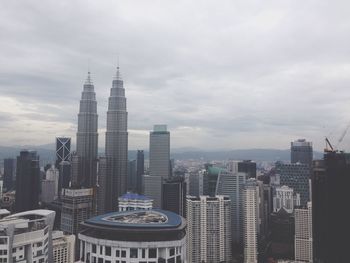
{"points": [[47, 154]]}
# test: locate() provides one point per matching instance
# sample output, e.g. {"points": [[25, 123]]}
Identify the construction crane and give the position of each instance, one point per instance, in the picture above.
{"points": [[329, 147], [328, 143]]}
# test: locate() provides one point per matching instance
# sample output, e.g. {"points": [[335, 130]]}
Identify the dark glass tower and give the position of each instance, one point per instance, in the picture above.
{"points": [[330, 209], [301, 151], [27, 181], [174, 195], [87, 138], [140, 170], [116, 144], [9, 173], [63, 158]]}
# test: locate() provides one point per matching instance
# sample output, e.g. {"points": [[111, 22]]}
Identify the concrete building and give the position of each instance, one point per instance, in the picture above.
{"points": [[131, 202], [27, 237], [284, 197], [251, 220], [48, 191], [27, 181], [232, 184], [134, 236], [84, 170], [63, 247], [77, 206], [209, 229], [303, 234], [52, 174], [296, 176], [301, 152], [116, 144]]}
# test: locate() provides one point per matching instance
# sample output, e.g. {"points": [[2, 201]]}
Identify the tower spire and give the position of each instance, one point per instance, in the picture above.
{"points": [[118, 76], [88, 79]]}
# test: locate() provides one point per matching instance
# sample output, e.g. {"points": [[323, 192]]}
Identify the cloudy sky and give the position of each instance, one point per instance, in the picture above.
{"points": [[222, 74]]}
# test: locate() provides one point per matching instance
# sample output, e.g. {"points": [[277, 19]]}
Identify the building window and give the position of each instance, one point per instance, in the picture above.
{"points": [[108, 251], [143, 253], [133, 253], [152, 253], [93, 248], [172, 251], [123, 253]]}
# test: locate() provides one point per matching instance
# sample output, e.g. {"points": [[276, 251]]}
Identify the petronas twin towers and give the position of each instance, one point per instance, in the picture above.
{"points": [[111, 169]]}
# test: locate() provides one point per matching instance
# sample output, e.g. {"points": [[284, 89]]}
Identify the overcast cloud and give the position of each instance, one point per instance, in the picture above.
{"points": [[222, 74]]}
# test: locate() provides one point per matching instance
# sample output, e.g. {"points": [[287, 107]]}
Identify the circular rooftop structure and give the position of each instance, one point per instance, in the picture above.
{"points": [[137, 225]]}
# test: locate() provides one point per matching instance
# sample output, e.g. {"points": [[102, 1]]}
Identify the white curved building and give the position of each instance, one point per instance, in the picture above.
{"points": [[141, 236], [27, 237]]}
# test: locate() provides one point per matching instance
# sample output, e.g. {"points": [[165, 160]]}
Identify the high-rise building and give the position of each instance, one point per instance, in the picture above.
{"points": [[84, 175], [303, 234], [159, 151], [27, 236], [140, 170], [232, 184], [134, 236], [197, 183], [47, 191], [284, 197], [27, 181], [153, 189], [62, 150], [301, 152], [174, 195], [208, 229], [296, 176], [63, 247], [245, 166], [102, 185], [131, 176], [330, 212], [251, 220], [64, 179], [131, 202], [77, 206], [52, 174], [9, 173], [116, 144]]}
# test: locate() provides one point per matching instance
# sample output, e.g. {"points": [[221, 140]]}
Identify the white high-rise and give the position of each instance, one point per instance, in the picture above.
{"points": [[208, 229], [284, 197], [251, 220], [63, 247], [303, 234]]}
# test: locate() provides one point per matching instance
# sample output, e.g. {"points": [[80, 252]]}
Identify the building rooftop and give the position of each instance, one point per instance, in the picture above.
{"points": [[155, 218], [134, 196]]}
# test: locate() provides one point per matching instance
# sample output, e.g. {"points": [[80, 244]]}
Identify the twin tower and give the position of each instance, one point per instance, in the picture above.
{"points": [[108, 174]]}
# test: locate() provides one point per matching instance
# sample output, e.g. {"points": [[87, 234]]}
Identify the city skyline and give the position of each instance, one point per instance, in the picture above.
{"points": [[245, 76]]}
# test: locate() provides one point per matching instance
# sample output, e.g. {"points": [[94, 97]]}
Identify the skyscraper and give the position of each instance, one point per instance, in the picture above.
{"points": [[62, 149], [174, 195], [251, 218], [303, 234], [301, 151], [140, 170], [330, 210], [27, 181], [208, 229], [87, 138], [284, 197], [116, 144], [131, 176], [245, 166], [9, 173], [159, 166]]}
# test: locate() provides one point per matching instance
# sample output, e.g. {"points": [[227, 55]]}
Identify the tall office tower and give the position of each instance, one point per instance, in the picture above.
{"points": [[174, 195], [330, 212], [52, 174], [208, 229], [140, 170], [232, 184], [87, 138], [102, 185], [245, 166], [64, 179], [63, 247], [9, 173], [62, 150], [27, 236], [284, 197], [159, 166], [303, 234], [301, 151], [296, 176], [47, 191], [210, 179], [116, 144], [251, 218], [197, 182], [76, 207], [131, 185], [27, 181]]}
